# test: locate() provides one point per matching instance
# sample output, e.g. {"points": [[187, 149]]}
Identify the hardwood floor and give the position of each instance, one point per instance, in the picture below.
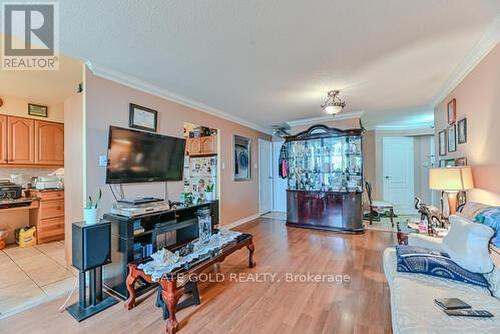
{"points": [[360, 305]]}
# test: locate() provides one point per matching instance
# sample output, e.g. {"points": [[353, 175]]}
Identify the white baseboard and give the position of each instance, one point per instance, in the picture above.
{"points": [[241, 221]]}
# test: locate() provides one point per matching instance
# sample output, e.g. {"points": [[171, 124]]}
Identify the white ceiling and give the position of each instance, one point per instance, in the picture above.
{"points": [[272, 61]]}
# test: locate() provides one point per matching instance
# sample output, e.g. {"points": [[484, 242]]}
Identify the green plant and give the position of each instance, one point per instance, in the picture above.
{"points": [[209, 188], [94, 205]]}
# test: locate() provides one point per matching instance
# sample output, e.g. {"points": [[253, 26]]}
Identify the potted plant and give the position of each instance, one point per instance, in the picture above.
{"points": [[209, 192], [91, 211]]}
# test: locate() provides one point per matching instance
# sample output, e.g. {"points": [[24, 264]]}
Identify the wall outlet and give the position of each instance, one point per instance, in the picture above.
{"points": [[103, 160]]}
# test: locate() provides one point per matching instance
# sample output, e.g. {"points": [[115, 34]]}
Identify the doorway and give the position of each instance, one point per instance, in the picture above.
{"points": [[265, 176], [398, 173]]}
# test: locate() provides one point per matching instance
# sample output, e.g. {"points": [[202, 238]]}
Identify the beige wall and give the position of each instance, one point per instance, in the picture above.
{"points": [[73, 162], [478, 99], [107, 102], [16, 106]]}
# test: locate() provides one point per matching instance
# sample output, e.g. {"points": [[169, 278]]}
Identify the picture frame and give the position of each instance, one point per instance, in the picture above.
{"points": [[462, 131], [442, 142], [451, 109], [442, 163], [142, 118], [449, 162], [461, 161], [38, 110], [242, 152], [452, 138]]}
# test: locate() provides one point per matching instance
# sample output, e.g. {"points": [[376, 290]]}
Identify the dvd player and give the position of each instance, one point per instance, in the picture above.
{"points": [[134, 210], [140, 200]]}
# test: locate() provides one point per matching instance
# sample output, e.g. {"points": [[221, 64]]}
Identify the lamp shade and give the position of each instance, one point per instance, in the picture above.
{"points": [[451, 178]]}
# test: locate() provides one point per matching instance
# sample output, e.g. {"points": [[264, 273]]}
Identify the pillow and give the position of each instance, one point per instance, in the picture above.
{"points": [[493, 279], [490, 217], [418, 260], [467, 245], [471, 209]]}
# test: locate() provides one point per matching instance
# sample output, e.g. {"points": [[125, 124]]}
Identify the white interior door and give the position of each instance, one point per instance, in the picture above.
{"points": [[265, 176], [398, 173], [279, 184]]}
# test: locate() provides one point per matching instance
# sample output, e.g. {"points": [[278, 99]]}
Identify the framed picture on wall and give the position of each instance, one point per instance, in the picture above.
{"points": [[242, 152], [452, 138], [442, 142], [142, 118], [442, 163], [38, 110], [452, 111], [449, 162], [462, 131]]}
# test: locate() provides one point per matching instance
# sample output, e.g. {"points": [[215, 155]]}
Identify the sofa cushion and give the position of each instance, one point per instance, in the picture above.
{"points": [[491, 217], [424, 261], [467, 245]]}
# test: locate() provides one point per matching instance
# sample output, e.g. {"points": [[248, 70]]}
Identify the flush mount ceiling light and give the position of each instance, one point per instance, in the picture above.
{"points": [[333, 103]]}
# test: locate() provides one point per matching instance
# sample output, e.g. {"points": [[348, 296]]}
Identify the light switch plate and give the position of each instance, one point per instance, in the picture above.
{"points": [[103, 160]]}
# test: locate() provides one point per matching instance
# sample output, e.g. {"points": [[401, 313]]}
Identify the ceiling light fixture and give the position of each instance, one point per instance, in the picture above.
{"points": [[333, 103]]}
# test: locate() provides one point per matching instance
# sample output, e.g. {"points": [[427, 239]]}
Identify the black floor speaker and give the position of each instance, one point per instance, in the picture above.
{"points": [[91, 250]]}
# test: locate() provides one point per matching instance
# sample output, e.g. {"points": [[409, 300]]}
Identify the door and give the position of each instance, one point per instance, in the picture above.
{"points": [[398, 173], [3, 139], [49, 143], [265, 176], [279, 184], [21, 138]]}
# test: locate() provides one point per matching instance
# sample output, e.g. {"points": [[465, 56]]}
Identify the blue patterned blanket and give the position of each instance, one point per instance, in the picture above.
{"points": [[490, 217]]}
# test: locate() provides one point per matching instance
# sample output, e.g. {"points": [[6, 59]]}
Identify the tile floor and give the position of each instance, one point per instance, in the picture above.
{"points": [[33, 275]]}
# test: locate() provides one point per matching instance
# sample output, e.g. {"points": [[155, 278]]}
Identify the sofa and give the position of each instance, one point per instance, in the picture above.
{"points": [[412, 296]]}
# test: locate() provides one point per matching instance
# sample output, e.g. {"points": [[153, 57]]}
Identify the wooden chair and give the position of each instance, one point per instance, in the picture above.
{"points": [[378, 205]]}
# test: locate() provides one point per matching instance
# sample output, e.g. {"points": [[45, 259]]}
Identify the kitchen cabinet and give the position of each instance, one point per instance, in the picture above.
{"points": [[49, 217], [49, 138], [21, 140], [201, 146], [3, 139], [31, 143]]}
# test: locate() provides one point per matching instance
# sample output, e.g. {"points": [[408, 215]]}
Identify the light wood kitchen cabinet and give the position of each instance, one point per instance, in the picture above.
{"points": [[49, 139], [31, 143], [21, 140], [201, 146], [49, 217], [3, 139]]}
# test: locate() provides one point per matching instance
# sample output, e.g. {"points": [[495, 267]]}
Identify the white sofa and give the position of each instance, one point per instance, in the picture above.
{"points": [[412, 298]]}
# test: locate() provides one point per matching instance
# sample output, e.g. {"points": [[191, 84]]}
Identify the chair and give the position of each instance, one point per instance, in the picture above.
{"points": [[378, 205]]}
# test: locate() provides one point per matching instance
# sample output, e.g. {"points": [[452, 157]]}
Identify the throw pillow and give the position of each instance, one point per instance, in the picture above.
{"points": [[467, 245], [490, 217], [493, 279], [418, 260]]}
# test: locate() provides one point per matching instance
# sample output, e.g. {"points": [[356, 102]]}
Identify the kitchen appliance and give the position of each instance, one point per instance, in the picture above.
{"points": [[9, 190], [200, 172], [48, 182]]}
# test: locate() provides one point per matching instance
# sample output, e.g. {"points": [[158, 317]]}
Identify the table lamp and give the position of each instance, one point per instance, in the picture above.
{"points": [[451, 180]]}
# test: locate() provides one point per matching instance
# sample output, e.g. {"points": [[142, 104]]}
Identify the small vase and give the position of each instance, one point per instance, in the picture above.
{"points": [[91, 216], [209, 196]]}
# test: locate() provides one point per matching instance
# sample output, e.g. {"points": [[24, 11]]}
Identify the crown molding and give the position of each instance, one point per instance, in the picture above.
{"points": [[146, 87], [327, 118], [488, 41], [401, 127]]}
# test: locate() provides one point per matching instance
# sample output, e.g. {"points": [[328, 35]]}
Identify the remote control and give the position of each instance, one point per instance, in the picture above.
{"points": [[469, 313]]}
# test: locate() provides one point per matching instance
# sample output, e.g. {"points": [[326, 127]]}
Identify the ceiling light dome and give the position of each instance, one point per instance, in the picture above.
{"points": [[333, 103]]}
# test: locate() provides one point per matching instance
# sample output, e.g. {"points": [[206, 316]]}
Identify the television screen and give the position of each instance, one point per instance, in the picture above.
{"points": [[136, 156]]}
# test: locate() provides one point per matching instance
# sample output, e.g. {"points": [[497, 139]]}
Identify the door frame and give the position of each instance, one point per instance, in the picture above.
{"points": [[260, 143]]}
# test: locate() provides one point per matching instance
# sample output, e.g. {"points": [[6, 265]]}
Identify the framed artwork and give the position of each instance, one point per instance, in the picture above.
{"points": [[142, 118], [462, 197], [461, 161], [449, 162], [442, 142], [462, 131], [38, 110], [451, 109], [242, 153], [452, 138], [442, 163]]}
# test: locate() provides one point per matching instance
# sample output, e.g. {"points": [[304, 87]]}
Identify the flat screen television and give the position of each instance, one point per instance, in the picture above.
{"points": [[137, 156]]}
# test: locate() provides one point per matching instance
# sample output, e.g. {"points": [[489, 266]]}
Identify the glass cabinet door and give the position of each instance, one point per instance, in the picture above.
{"points": [[326, 164]]}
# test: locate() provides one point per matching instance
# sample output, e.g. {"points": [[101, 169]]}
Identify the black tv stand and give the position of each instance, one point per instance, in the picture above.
{"points": [[180, 221]]}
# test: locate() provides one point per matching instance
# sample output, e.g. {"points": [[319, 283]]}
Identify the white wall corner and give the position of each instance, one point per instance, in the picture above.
{"points": [[488, 41], [146, 87]]}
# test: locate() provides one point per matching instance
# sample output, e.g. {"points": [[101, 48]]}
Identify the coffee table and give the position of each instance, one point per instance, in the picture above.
{"points": [[173, 284]]}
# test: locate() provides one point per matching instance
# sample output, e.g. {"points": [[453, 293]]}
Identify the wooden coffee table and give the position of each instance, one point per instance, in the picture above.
{"points": [[171, 292]]}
